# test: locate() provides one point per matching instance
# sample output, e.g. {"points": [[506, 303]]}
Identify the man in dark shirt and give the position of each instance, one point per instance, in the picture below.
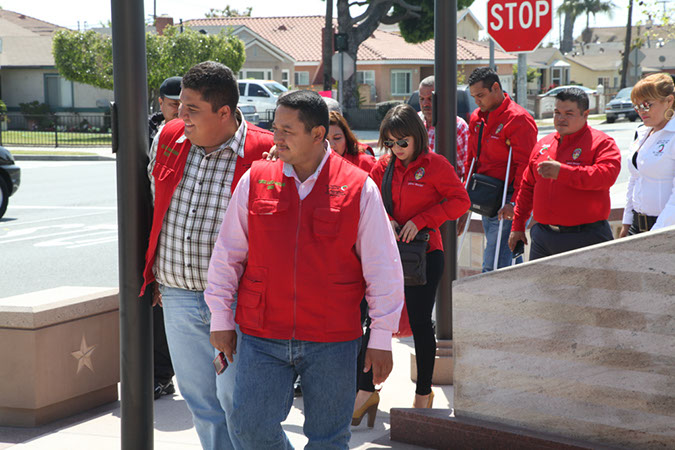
{"points": [[168, 105]]}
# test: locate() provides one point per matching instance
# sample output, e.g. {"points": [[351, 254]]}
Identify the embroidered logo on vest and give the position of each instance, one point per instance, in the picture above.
{"points": [[333, 190], [168, 151], [271, 183]]}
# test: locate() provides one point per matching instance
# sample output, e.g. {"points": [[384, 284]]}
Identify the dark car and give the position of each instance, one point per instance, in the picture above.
{"points": [[465, 103], [621, 106], [10, 178]]}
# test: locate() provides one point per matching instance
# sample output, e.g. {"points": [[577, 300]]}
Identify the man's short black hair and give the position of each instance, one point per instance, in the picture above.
{"points": [[215, 82], [485, 74], [312, 109], [575, 95]]}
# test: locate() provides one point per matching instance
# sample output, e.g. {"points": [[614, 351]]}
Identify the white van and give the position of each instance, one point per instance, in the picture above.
{"points": [[262, 94]]}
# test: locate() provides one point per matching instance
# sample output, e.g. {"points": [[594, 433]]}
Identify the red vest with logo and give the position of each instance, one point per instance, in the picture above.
{"points": [[168, 171], [303, 279]]}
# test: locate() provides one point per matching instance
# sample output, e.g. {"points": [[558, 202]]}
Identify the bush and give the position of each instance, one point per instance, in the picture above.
{"points": [[37, 113], [384, 107], [3, 111]]}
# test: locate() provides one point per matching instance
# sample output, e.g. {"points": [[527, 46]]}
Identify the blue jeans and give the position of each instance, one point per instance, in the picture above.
{"points": [[208, 396], [491, 229], [264, 391]]}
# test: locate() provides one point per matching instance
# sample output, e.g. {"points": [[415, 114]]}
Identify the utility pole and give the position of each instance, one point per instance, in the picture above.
{"points": [[445, 123], [134, 206], [328, 48], [626, 48]]}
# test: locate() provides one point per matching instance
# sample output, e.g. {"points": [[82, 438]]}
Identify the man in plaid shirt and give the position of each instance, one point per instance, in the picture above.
{"points": [[426, 91], [195, 162]]}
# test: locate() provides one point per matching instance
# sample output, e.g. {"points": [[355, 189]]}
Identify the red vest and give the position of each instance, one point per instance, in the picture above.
{"points": [[168, 171], [303, 279]]}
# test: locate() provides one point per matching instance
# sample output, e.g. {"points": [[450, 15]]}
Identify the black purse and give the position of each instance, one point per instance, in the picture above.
{"points": [[414, 253], [484, 192]]}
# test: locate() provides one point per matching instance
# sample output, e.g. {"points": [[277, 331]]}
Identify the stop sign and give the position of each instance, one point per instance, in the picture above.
{"points": [[519, 25]]}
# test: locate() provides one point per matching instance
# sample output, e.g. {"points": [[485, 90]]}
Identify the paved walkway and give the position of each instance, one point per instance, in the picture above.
{"points": [[100, 428]]}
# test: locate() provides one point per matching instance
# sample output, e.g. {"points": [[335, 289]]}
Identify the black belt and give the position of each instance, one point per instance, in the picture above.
{"points": [[575, 228], [643, 222]]}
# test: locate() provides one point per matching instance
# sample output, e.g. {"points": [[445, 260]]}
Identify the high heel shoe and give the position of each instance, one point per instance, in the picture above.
{"points": [[370, 407], [430, 401]]}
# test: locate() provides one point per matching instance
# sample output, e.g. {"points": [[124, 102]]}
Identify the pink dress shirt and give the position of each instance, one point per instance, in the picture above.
{"points": [[375, 245]]}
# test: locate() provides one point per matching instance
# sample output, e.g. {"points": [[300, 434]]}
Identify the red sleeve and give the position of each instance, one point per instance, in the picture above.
{"points": [[522, 140], [525, 196], [455, 199], [601, 174], [472, 144]]}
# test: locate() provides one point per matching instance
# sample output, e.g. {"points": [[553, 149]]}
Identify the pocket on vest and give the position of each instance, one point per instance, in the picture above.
{"points": [[269, 212], [251, 298], [345, 315], [326, 221]]}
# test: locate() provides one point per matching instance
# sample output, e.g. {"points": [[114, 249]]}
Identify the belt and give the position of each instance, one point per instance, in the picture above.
{"points": [[643, 222], [575, 228]]}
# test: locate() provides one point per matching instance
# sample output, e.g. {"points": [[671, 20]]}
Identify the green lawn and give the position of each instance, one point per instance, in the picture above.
{"points": [[48, 138]]}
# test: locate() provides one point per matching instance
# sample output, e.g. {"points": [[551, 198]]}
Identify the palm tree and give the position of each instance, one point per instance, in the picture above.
{"points": [[595, 7], [571, 9]]}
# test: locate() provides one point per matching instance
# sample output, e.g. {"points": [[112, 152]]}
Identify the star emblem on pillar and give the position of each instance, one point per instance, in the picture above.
{"points": [[83, 356]]}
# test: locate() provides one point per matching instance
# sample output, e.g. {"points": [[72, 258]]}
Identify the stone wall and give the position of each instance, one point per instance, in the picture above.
{"points": [[579, 345]]}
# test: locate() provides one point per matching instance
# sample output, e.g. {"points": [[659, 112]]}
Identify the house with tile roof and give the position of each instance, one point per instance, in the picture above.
{"points": [[387, 66], [28, 73]]}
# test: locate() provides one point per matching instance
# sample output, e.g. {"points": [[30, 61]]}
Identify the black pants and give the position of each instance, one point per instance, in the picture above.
{"points": [[636, 227], [546, 242], [163, 367]]}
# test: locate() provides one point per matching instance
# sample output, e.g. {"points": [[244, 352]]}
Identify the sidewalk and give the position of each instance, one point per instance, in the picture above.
{"points": [[61, 153], [100, 428]]}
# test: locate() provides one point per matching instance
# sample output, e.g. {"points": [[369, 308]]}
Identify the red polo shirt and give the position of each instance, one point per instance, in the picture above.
{"points": [[590, 163]]}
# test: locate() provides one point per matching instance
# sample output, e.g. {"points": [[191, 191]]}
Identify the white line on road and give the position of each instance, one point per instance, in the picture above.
{"points": [[42, 236], [51, 219], [64, 207]]}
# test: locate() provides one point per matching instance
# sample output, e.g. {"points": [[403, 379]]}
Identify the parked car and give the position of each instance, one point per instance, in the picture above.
{"points": [[10, 178], [249, 112], [465, 102], [621, 106], [262, 94], [555, 90]]}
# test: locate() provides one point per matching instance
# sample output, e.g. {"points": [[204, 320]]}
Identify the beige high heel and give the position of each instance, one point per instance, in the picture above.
{"points": [[370, 407], [430, 401]]}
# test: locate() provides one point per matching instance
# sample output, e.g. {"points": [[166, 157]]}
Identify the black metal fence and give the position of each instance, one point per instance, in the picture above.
{"points": [[56, 130]]}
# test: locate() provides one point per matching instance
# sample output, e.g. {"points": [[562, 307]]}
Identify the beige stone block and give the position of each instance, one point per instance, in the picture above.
{"points": [[60, 353], [443, 364]]}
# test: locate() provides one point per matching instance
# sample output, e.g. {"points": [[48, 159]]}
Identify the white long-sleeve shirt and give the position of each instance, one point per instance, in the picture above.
{"points": [[651, 188], [375, 245]]}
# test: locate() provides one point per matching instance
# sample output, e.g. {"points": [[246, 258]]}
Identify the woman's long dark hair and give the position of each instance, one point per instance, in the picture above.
{"points": [[352, 144], [401, 121]]}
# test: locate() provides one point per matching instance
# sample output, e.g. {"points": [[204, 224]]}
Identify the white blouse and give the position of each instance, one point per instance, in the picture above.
{"points": [[651, 188]]}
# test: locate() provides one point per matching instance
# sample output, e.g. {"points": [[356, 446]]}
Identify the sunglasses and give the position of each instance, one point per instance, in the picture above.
{"points": [[401, 143], [644, 106]]}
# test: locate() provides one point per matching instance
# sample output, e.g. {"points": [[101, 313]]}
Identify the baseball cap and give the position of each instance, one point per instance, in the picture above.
{"points": [[170, 88]]}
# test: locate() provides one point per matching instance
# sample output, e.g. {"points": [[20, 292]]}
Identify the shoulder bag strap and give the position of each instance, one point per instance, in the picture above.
{"points": [[386, 186]]}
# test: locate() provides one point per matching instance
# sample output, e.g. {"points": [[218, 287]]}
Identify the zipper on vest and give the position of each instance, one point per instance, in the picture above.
{"points": [[295, 268]]}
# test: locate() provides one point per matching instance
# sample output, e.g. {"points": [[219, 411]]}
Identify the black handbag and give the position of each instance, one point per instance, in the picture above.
{"points": [[414, 253], [484, 192]]}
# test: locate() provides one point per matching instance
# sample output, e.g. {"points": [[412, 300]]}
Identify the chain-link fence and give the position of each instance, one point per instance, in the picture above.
{"points": [[56, 130]]}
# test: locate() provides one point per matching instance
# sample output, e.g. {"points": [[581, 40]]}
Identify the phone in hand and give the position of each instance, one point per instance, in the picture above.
{"points": [[519, 249], [220, 363]]}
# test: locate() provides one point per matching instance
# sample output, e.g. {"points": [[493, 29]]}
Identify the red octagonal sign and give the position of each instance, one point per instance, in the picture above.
{"points": [[519, 25]]}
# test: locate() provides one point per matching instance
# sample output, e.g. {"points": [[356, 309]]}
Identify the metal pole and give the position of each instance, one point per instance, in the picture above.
{"points": [[134, 209], [445, 121], [522, 80], [493, 66], [341, 80]]}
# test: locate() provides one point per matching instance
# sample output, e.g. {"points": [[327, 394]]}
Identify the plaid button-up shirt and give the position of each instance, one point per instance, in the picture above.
{"points": [[193, 220], [462, 141]]}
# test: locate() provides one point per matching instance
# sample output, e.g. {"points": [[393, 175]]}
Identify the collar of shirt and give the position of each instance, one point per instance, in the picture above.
{"points": [[428, 126], [289, 170], [567, 139], [235, 143], [643, 130]]}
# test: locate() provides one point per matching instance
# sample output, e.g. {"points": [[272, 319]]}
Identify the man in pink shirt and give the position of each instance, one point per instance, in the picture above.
{"points": [[426, 91], [304, 239]]}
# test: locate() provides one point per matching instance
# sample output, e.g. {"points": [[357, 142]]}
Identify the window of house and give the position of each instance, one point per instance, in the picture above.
{"points": [[616, 82], [256, 74], [556, 76], [603, 81], [285, 77], [367, 77], [58, 91], [301, 78], [401, 82]]}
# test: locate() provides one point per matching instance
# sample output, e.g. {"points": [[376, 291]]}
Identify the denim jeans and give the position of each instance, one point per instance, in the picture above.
{"points": [[263, 393], [208, 396], [491, 229]]}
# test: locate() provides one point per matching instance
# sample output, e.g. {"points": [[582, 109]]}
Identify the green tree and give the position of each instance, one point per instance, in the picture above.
{"points": [[228, 12], [421, 29], [86, 57]]}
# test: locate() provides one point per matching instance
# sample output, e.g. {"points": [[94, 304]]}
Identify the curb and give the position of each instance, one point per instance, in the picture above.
{"points": [[38, 157]]}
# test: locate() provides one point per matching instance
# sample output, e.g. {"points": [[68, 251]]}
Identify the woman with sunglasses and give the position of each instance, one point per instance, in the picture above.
{"points": [[650, 200], [344, 143], [426, 193]]}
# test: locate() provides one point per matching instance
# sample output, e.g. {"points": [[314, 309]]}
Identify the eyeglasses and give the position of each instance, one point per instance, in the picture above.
{"points": [[401, 143], [644, 106]]}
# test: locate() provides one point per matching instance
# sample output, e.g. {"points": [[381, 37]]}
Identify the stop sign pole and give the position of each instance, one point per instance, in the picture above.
{"points": [[519, 26]]}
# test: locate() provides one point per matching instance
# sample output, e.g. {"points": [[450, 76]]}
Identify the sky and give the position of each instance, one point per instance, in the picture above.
{"points": [[71, 13]]}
